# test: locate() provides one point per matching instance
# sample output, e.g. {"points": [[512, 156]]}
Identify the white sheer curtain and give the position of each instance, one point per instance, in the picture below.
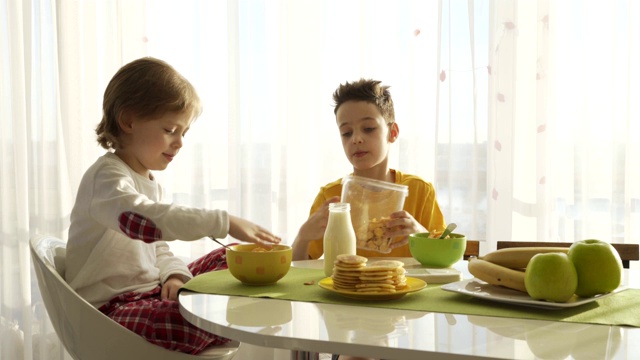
{"points": [[522, 113], [563, 142]]}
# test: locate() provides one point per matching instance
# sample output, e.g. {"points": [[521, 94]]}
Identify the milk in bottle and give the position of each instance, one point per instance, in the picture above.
{"points": [[339, 237]]}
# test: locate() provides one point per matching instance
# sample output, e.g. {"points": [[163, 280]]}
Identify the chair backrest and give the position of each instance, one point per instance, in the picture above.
{"points": [[84, 331], [628, 252], [473, 249]]}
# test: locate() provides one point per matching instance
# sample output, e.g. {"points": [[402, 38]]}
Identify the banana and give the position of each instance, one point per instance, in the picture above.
{"points": [[496, 274], [518, 257]]}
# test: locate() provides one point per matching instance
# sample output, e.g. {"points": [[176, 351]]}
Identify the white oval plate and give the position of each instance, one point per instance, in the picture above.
{"points": [[480, 289]]}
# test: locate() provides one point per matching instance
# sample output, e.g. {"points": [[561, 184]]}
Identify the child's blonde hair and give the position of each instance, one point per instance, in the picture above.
{"points": [[366, 90], [147, 87]]}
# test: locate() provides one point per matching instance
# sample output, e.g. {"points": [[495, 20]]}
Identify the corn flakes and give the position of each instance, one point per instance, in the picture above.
{"points": [[435, 234], [374, 237]]}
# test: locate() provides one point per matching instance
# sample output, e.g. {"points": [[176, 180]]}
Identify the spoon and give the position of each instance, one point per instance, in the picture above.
{"points": [[225, 246], [448, 230]]}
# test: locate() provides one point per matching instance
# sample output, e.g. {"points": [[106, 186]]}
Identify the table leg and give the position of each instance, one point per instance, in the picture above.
{"points": [[304, 355]]}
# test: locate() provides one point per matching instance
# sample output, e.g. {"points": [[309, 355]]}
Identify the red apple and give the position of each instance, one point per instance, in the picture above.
{"points": [[598, 265], [550, 276]]}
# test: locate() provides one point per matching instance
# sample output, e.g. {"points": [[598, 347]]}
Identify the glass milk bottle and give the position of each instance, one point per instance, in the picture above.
{"points": [[339, 237]]}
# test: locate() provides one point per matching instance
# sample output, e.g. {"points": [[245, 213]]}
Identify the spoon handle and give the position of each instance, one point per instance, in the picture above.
{"points": [[214, 239], [448, 230]]}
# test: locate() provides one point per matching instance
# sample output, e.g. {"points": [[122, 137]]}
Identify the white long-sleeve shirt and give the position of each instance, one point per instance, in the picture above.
{"points": [[114, 204]]}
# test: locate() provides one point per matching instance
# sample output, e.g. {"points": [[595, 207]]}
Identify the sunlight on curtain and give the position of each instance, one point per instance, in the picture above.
{"points": [[597, 129], [563, 138], [523, 114], [15, 284], [460, 131], [267, 140]]}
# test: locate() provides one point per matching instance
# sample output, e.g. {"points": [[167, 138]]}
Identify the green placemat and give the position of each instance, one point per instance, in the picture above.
{"points": [[622, 308]]}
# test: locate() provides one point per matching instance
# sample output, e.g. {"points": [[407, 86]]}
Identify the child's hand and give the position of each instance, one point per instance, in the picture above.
{"points": [[402, 224], [312, 229], [245, 230], [316, 224], [171, 286]]}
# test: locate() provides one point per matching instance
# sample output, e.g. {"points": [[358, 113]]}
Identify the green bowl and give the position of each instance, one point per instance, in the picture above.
{"points": [[437, 253]]}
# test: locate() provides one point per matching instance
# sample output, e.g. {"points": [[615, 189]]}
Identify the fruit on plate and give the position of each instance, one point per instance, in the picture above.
{"points": [[598, 265], [495, 274], [551, 277], [518, 257]]}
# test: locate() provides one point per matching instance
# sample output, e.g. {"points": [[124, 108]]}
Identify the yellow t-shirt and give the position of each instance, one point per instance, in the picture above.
{"points": [[421, 203]]}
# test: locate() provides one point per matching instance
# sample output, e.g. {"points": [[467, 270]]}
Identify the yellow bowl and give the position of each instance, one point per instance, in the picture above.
{"points": [[437, 253], [259, 267]]}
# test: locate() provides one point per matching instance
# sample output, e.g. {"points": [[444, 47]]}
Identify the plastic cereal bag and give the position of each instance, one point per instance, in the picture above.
{"points": [[372, 202]]}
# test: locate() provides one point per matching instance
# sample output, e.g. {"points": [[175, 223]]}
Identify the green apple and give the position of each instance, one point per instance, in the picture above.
{"points": [[598, 265], [551, 277]]}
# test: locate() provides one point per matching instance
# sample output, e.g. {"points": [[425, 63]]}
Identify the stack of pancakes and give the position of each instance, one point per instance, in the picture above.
{"points": [[352, 273]]}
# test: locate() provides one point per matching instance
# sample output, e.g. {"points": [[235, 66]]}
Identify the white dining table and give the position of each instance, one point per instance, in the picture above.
{"points": [[308, 329]]}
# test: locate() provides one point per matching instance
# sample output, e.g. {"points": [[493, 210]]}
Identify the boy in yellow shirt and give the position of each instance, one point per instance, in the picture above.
{"points": [[366, 121]]}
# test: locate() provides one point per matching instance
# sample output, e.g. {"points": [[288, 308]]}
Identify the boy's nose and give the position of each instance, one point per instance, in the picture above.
{"points": [[177, 143]]}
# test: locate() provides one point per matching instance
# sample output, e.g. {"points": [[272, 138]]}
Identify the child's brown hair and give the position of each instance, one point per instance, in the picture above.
{"points": [[147, 87], [366, 90]]}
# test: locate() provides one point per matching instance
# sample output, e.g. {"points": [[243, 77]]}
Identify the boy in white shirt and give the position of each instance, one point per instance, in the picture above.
{"points": [[117, 257]]}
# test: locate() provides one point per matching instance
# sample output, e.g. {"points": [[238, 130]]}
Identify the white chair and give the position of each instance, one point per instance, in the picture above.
{"points": [[85, 332]]}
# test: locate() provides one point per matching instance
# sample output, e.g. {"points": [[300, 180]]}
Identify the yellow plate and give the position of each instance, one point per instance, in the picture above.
{"points": [[413, 285]]}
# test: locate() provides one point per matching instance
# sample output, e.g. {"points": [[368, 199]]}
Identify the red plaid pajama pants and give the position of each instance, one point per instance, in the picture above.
{"points": [[159, 321]]}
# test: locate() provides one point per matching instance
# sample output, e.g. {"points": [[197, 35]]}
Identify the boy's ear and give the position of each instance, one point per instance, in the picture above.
{"points": [[125, 121], [394, 132]]}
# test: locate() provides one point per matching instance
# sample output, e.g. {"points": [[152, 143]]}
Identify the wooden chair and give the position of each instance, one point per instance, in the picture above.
{"points": [[473, 249], [628, 252]]}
